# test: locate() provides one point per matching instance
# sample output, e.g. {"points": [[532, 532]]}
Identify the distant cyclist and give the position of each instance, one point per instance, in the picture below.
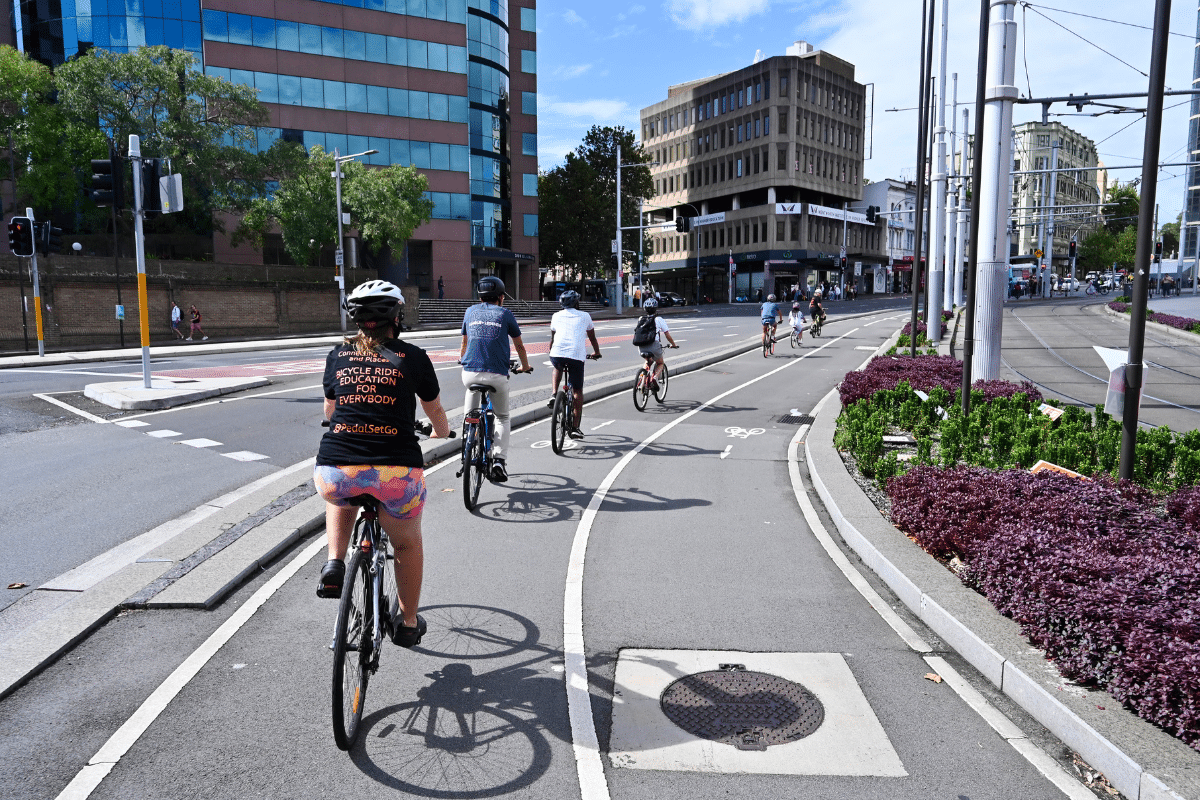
{"points": [[816, 310], [796, 320], [568, 350], [485, 356], [771, 316], [371, 446], [655, 327]]}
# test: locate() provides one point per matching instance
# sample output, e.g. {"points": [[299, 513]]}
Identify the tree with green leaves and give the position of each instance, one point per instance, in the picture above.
{"points": [[1097, 252], [577, 202], [1169, 233], [385, 204], [1121, 207]]}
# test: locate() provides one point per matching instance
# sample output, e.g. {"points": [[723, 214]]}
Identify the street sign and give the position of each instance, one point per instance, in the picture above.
{"points": [[120, 312], [709, 219], [614, 243], [338, 259], [1037, 253]]}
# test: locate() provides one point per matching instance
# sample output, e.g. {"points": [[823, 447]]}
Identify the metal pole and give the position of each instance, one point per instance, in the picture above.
{"points": [[952, 183], [937, 188], [993, 165], [620, 288], [339, 255], [1145, 238], [964, 218], [981, 84], [1048, 253], [922, 119], [139, 247], [12, 167], [641, 244], [37, 293], [928, 207], [842, 257], [117, 258]]}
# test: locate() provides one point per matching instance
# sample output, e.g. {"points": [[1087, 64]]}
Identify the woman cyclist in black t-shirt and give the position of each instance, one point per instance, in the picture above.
{"points": [[371, 447]]}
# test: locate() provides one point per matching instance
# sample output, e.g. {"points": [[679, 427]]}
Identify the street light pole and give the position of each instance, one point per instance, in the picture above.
{"points": [[339, 258], [620, 254]]}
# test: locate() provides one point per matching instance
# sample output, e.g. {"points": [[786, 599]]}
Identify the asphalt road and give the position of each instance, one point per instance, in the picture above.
{"points": [[697, 546]]}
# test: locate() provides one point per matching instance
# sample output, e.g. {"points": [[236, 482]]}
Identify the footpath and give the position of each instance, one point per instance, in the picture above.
{"points": [[1139, 760]]}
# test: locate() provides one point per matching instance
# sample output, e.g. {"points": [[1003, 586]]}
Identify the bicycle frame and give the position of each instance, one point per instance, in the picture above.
{"points": [[368, 537]]}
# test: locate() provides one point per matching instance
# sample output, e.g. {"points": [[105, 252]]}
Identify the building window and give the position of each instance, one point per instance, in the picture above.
{"points": [[754, 231], [529, 103], [739, 167], [757, 92], [737, 235], [779, 230], [529, 62], [740, 97], [783, 80], [529, 185], [529, 20], [529, 144], [531, 224]]}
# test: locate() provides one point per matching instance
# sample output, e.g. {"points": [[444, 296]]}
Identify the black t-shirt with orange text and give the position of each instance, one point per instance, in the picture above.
{"points": [[376, 406]]}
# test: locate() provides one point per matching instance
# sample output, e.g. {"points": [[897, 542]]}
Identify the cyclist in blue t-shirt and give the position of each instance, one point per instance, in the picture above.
{"points": [[771, 317], [485, 356]]}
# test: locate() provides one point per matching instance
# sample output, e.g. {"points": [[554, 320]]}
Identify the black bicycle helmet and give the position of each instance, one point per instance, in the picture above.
{"points": [[650, 305], [490, 288], [569, 299], [374, 303]]}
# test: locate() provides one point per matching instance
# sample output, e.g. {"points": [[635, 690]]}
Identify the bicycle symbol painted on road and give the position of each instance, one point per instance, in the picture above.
{"points": [[569, 444], [744, 433]]}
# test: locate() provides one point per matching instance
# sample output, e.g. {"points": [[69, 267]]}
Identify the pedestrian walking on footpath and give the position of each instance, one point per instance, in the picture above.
{"points": [[176, 320], [196, 319], [441, 288]]}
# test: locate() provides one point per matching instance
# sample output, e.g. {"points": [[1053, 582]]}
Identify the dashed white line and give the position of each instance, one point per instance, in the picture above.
{"points": [[602, 424], [245, 455], [132, 423], [163, 434], [199, 443]]}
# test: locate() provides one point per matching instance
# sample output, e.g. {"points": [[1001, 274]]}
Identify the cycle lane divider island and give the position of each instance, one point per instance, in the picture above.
{"points": [[206, 568]]}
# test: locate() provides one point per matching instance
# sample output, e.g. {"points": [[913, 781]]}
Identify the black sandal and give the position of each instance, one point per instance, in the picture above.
{"points": [[405, 636], [329, 585]]}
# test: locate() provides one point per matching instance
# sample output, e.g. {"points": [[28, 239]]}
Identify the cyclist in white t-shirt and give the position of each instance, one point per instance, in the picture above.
{"points": [[568, 349]]}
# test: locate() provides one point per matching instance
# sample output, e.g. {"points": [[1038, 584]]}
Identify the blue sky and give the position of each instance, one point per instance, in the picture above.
{"points": [[600, 63]]}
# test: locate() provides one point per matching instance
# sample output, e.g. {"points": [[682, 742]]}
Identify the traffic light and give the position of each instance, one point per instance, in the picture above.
{"points": [[1157, 252], [842, 264], [612, 261], [108, 181], [20, 236], [683, 224], [151, 195], [49, 238], [1071, 249], [871, 212]]}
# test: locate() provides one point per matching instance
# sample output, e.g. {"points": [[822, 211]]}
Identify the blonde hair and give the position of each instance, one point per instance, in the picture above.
{"points": [[368, 341]]}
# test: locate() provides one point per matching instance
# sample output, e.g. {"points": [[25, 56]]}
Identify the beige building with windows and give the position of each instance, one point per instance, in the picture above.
{"points": [[769, 161], [1076, 189]]}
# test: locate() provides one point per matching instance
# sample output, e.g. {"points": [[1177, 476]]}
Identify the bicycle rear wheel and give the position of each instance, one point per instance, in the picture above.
{"points": [[352, 644], [472, 463], [641, 389], [660, 394], [794, 339], [558, 421]]}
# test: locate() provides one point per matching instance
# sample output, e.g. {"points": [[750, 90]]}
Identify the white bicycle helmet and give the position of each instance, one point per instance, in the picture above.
{"points": [[374, 303]]}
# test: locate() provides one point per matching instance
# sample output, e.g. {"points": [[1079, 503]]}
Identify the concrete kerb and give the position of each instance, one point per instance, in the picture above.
{"points": [[1139, 760], [165, 392], [1188, 336]]}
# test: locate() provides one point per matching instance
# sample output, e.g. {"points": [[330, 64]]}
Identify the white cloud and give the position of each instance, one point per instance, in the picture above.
{"points": [[601, 111], [572, 18], [699, 15], [571, 71]]}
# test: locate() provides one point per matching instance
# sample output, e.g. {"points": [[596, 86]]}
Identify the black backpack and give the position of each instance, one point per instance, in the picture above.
{"points": [[645, 332]]}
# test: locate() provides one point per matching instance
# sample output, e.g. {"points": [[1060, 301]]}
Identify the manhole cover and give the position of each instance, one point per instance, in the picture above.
{"points": [[749, 710], [792, 419]]}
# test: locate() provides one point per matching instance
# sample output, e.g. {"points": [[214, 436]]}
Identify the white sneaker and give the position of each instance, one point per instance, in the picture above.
{"points": [[188, 339], [205, 339]]}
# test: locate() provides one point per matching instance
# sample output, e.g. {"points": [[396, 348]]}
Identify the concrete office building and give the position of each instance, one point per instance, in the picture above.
{"points": [[768, 156], [1076, 190], [449, 86], [897, 202]]}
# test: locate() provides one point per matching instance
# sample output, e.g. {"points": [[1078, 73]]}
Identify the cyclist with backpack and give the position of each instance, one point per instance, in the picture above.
{"points": [[771, 316], [568, 352], [817, 312], [647, 336]]}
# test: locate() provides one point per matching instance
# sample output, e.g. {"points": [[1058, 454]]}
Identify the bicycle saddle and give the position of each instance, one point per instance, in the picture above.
{"points": [[481, 387]]}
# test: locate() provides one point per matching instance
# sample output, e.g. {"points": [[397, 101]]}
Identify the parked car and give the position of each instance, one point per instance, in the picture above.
{"points": [[676, 299], [1066, 284]]}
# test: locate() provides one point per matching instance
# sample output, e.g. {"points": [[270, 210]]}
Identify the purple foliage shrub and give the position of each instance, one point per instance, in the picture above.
{"points": [[1172, 320], [1184, 506], [922, 328], [923, 373], [1109, 591], [996, 389], [1120, 308]]}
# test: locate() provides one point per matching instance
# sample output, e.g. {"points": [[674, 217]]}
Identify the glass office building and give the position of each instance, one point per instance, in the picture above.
{"points": [[429, 83]]}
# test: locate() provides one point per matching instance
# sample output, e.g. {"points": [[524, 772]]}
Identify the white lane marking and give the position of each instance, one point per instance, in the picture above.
{"points": [[730, 334], [88, 779], [728, 447], [78, 372], [614, 347], [743, 433], [191, 406], [163, 434], [865, 347], [245, 455], [132, 423], [71, 408], [885, 611], [199, 443], [1053, 772], [602, 424], [584, 743]]}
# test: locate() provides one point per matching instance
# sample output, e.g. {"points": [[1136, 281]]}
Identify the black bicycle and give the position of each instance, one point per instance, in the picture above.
{"points": [[814, 329], [367, 612], [769, 341], [562, 418], [479, 425]]}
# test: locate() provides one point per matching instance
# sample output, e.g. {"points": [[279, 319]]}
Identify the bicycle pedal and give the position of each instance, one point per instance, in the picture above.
{"points": [[458, 474]]}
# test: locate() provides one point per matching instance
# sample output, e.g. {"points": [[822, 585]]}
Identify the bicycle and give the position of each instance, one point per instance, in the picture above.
{"points": [[477, 434], [797, 332], [365, 615], [646, 383], [562, 418], [814, 330], [769, 342]]}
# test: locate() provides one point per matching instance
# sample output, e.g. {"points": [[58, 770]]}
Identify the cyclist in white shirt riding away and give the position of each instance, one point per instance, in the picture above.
{"points": [[796, 320], [568, 350], [655, 348]]}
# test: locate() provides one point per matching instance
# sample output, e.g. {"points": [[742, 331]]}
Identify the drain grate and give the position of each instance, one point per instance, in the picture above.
{"points": [[792, 419], [749, 710]]}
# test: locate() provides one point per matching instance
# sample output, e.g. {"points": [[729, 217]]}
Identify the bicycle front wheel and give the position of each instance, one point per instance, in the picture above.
{"points": [[660, 394], [641, 389], [353, 639], [558, 422]]}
